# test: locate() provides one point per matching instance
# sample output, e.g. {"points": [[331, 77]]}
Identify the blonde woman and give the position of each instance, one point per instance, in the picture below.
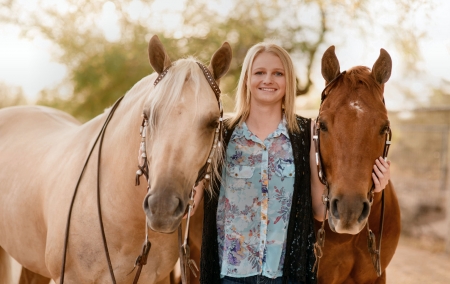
{"points": [[258, 223]]}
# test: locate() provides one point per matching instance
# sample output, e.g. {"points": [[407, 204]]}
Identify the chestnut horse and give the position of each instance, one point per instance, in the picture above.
{"points": [[43, 151], [352, 131]]}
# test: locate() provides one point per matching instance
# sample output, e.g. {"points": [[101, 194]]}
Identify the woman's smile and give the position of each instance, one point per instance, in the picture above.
{"points": [[267, 89]]}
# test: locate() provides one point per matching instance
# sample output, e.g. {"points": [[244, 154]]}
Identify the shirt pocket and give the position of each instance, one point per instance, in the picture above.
{"points": [[241, 171], [285, 169]]}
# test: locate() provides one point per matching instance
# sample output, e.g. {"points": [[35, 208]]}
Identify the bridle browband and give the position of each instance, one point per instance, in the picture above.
{"points": [[204, 173], [371, 239]]}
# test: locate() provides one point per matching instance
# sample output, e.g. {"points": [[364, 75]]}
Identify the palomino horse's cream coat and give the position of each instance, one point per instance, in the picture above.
{"points": [[353, 123], [42, 152]]}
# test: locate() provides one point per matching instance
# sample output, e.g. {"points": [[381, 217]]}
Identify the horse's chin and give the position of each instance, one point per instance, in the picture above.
{"points": [[338, 226], [162, 226]]}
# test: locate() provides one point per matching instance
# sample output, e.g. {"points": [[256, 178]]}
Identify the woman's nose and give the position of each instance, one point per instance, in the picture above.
{"points": [[267, 79]]}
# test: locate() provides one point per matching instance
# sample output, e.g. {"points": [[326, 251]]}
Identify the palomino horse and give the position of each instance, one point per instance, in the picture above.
{"points": [[42, 155], [353, 130]]}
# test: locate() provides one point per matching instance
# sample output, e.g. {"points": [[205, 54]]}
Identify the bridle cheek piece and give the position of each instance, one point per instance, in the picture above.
{"points": [[204, 173], [320, 236]]}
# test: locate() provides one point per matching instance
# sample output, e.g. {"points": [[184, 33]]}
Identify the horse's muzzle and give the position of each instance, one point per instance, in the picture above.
{"points": [[348, 214], [164, 212]]}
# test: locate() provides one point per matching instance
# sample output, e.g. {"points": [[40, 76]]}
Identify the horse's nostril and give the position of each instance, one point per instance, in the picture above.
{"points": [[147, 206], [158, 205], [365, 212], [180, 207], [334, 208]]}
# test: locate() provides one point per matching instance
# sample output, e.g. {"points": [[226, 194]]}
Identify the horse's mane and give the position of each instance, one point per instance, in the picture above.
{"points": [[360, 75], [168, 91]]}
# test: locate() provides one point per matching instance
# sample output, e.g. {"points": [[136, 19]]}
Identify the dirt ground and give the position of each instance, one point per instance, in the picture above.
{"points": [[413, 263]]}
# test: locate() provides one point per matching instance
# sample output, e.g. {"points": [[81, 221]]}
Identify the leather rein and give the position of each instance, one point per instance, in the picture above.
{"points": [[375, 252], [204, 173]]}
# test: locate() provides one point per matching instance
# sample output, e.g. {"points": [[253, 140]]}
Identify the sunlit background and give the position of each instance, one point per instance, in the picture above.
{"points": [[80, 56]]}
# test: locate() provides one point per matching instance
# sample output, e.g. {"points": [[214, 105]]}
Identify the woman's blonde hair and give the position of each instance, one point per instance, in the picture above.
{"points": [[242, 108]]}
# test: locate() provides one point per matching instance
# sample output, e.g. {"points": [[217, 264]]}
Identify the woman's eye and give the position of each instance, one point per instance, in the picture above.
{"points": [[279, 74], [259, 73]]}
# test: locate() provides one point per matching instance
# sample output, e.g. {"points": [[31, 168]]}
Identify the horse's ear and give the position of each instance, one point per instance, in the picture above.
{"points": [[330, 65], [220, 61], [157, 55], [381, 70]]}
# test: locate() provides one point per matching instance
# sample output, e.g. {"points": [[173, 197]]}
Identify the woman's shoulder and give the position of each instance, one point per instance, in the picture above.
{"points": [[302, 121]]}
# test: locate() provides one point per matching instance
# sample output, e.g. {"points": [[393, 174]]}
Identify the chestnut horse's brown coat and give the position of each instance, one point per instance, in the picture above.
{"points": [[353, 122]]}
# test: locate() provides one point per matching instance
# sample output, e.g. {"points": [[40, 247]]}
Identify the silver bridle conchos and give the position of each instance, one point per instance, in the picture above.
{"points": [[204, 173]]}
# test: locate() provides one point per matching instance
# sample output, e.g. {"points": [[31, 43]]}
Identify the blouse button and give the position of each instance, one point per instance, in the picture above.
{"points": [[235, 175]]}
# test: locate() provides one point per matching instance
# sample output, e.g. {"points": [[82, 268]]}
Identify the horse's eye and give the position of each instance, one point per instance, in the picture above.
{"points": [[213, 123], [323, 126], [385, 129]]}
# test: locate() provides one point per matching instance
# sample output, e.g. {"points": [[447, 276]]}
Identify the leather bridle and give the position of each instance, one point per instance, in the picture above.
{"points": [[204, 173], [320, 237]]}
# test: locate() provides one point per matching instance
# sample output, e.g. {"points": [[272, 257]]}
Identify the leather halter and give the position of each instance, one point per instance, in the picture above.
{"points": [[371, 239], [204, 173]]}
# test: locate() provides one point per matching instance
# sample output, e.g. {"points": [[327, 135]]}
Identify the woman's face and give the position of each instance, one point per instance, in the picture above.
{"points": [[267, 80]]}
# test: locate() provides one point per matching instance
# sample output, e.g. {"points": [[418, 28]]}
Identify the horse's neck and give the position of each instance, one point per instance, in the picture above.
{"points": [[119, 159]]}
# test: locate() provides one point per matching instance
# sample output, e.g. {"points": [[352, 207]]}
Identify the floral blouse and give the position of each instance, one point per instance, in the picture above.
{"points": [[254, 203]]}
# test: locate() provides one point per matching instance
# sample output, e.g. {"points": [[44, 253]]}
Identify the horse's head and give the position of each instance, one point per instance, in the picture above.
{"points": [[183, 114], [352, 124]]}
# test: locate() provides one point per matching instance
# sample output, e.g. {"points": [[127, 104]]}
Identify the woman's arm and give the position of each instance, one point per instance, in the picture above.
{"points": [[317, 187]]}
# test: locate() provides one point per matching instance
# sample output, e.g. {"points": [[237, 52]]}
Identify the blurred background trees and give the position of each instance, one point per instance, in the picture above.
{"points": [[102, 66], [11, 95], [103, 44]]}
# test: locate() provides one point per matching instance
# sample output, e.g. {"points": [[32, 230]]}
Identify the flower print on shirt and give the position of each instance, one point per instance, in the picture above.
{"points": [[286, 201], [264, 182], [231, 210], [237, 158], [281, 148], [249, 213], [253, 256], [254, 159], [235, 253], [254, 203]]}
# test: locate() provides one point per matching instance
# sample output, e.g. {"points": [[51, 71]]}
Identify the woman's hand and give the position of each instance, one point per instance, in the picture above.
{"points": [[381, 174]]}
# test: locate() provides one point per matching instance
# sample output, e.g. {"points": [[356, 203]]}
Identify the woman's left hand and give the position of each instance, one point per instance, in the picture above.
{"points": [[381, 174]]}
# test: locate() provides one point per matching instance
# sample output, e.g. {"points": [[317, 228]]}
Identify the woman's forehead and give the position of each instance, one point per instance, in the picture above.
{"points": [[267, 59]]}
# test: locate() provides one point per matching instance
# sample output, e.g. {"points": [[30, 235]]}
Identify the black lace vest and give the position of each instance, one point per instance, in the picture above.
{"points": [[299, 258]]}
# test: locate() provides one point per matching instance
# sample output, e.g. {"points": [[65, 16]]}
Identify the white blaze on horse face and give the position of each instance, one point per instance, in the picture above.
{"points": [[356, 106]]}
